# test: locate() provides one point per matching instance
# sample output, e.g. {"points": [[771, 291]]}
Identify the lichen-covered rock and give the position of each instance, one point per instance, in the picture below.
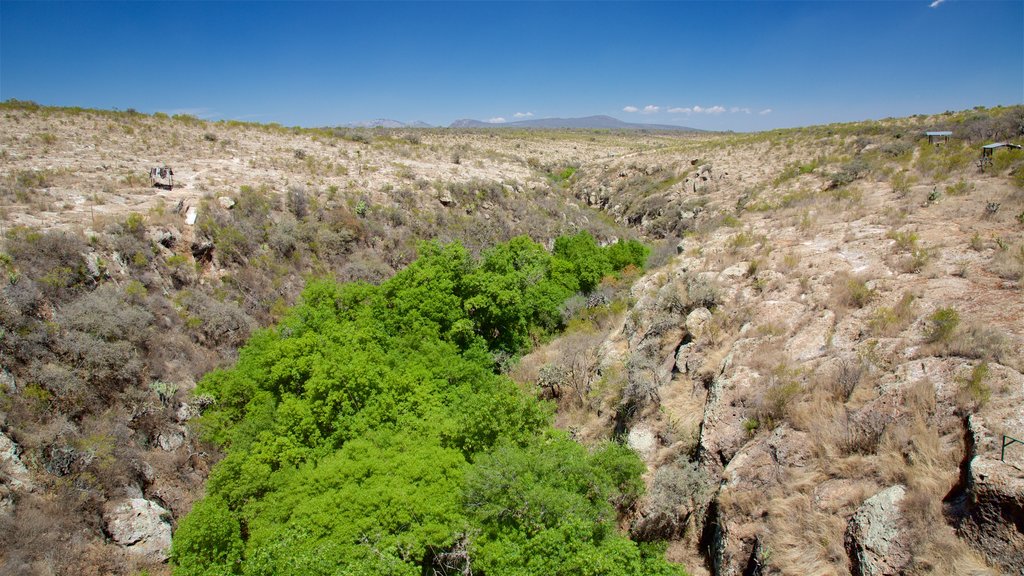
{"points": [[875, 540], [140, 526], [12, 470], [697, 321]]}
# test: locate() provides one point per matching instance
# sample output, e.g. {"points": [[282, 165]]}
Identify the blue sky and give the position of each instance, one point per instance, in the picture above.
{"points": [[712, 65]]}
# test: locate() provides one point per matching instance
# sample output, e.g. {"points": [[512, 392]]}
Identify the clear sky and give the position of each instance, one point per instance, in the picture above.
{"points": [[712, 65]]}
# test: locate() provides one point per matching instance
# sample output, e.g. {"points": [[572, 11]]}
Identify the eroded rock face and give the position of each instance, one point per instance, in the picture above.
{"points": [[14, 476], [12, 470], [992, 519], [139, 526], [759, 468], [875, 540]]}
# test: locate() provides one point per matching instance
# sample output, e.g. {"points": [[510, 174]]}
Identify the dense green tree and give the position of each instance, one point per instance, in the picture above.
{"points": [[368, 432], [208, 540]]}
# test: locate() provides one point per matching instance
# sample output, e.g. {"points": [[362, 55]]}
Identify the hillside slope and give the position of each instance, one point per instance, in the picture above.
{"points": [[819, 381], [828, 349]]}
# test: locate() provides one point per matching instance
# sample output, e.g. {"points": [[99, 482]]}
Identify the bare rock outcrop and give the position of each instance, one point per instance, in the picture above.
{"points": [[991, 514], [14, 475], [762, 467], [140, 526], [875, 539]]}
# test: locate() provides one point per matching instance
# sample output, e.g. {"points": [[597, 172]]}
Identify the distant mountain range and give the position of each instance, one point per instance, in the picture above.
{"points": [[387, 123], [587, 122]]}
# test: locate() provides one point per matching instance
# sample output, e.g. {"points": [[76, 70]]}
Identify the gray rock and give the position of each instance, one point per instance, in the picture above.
{"points": [[992, 515], [94, 266], [875, 540], [162, 236], [225, 202], [170, 441], [641, 440], [7, 381], [697, 321], [140, 526], [12, 470]]}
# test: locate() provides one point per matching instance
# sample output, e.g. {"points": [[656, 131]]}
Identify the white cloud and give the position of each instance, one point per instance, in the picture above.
{"points": [[714, 110], [679, 110], [522, 114], [765, 111], [651, 109], [498, 120], [630, 109], [936, 3], [737, 109]]}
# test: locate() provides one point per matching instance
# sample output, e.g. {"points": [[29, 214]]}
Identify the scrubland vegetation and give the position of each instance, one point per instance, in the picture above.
{"points": [[817, 315]]}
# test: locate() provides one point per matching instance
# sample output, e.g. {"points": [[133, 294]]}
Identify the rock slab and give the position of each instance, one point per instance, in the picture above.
{"points": [[139, 526], [877, 544]]}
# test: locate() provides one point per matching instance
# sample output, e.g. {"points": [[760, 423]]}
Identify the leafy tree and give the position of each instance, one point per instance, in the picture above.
{"points": [[208, 540], [368, 432]]}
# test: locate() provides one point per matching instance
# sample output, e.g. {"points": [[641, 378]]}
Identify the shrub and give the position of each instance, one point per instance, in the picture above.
{"points": [[942, 324], [975, 385], [852, 291], [106, 314], [214, 322], [959, 188], [890, 321], [108, 366], [1008, 263], [901, 183], [677, 490], [849, 173], [52, 259], [905, 241]]}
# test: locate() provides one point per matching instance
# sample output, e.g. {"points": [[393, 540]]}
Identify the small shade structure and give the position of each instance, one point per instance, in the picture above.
{"points": [[162, 177], [989, 149], [938, 137]]}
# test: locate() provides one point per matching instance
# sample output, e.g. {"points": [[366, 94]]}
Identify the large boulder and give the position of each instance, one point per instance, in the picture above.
{"points": [[876, 541], [991, 519], [140, 526]]}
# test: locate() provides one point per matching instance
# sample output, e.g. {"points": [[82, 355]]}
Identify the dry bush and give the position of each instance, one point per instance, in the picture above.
{"points": [[108, 366], [862, 433], [106, 314], [215, 322], [1008, 263], [53, 260], [702, 292], [70, 394], [848, 374], [850, 291], [678, 490], [640, 390], [780, 391]]}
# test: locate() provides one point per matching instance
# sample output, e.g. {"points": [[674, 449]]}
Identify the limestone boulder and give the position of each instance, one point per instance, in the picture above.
{"points": [[140, 526], [876, 541]]}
